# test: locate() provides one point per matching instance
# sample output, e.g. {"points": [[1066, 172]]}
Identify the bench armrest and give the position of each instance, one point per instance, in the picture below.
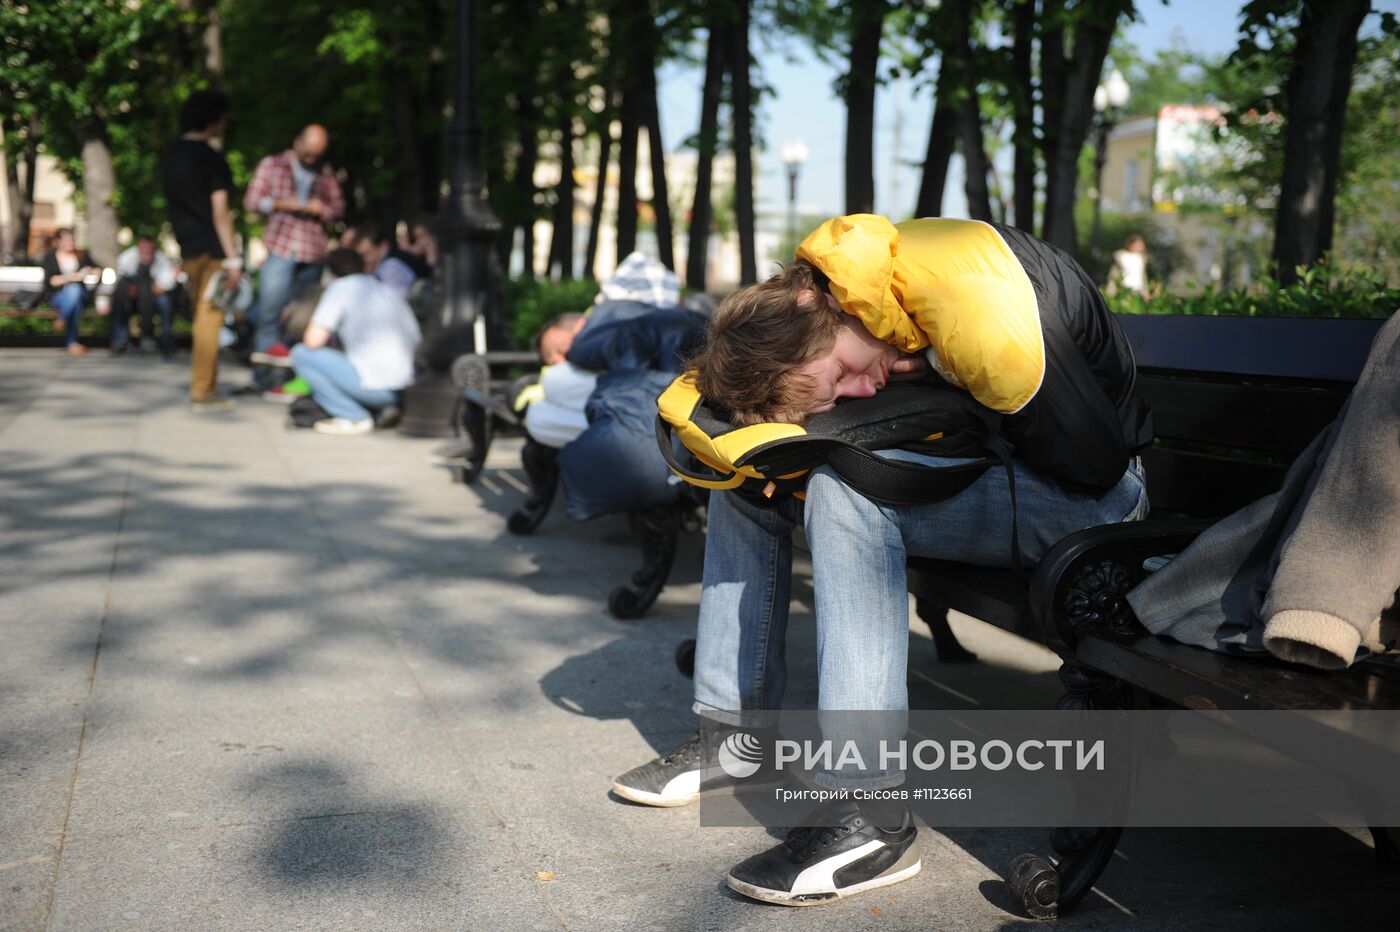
{"points": [[1080, 584]]}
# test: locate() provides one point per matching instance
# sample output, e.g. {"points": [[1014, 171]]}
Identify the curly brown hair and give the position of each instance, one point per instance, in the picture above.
{"points": [[758, 338]]}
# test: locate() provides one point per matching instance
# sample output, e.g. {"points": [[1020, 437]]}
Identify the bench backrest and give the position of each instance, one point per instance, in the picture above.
{"points": [[1235, 399]]}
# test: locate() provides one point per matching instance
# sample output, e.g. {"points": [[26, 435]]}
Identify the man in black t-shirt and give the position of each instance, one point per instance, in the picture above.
{"points": [[198, 192]]}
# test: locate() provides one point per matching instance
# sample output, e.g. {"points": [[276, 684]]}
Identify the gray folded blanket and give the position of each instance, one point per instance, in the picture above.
{"points": [[1309, 573]]}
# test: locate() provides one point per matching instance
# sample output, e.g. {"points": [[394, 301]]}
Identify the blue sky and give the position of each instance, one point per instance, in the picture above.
{"points": [[805, 106]]}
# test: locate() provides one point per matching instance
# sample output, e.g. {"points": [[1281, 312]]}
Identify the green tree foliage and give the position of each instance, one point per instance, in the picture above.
{"points": [[371, 71], [82, 70], [1238, 188]]}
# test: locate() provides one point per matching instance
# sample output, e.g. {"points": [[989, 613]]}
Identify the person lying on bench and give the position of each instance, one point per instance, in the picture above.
{"points": [[597, 398], [986, 307]]}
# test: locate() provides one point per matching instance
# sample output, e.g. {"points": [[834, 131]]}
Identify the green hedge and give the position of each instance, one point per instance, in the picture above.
{"points": [[529, 305], [41, 322], [1321, 291]]}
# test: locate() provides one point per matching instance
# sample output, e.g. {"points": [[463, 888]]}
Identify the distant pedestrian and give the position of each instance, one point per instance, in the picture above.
{"points": [[382, 258], [298, 193], [1129, 272], [198, 191], [66, 271], [145, 281]]}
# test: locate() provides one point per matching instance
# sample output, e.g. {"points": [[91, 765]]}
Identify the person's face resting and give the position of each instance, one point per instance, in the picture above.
{"points": [[857, 366], [555, 342]]}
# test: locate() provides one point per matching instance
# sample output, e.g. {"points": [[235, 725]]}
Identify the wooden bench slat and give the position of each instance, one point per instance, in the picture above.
{"points": [[1204, 679], [1272, 418], [1203, 485], [1328, 350]]}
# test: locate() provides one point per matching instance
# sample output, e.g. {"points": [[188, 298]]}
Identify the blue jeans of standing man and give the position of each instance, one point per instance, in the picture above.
{"points": [[279, 281], [859, 549], [336, 386], [69, 301]]}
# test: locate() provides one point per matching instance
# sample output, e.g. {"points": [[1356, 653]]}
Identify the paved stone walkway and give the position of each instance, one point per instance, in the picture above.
{"points": [[260, 679]]}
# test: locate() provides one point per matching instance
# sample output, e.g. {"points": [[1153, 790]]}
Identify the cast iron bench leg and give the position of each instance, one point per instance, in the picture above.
{"points": [[1387, 850], [477, 423], [658, 530], [944, 640], [1048, 891], [542, 469]]}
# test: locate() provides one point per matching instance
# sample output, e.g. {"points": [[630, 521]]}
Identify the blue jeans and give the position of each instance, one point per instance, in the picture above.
{"points": [[69, 301], [279, 280], [147, 303], [335, 385], [859, 550]]}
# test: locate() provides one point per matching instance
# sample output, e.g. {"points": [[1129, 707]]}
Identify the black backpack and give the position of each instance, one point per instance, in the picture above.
{"points": [[305, 412], [769, 462]]}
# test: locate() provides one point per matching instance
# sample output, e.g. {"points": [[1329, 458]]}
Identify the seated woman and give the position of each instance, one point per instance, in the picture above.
{"points": [[65, 272]]}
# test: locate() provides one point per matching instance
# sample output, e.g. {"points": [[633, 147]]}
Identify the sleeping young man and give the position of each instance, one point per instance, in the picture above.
{"points": [[987, 308]]}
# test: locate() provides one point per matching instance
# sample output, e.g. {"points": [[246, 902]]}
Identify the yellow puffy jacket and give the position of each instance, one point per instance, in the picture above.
{"points": [[952, 286], [1009, 318]]}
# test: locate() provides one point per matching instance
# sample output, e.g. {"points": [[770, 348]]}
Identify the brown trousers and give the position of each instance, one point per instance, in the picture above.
{"points": [[208, 320]]}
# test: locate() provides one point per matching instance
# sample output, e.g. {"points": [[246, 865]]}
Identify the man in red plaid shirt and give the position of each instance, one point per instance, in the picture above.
{"points": [[299, 194]]}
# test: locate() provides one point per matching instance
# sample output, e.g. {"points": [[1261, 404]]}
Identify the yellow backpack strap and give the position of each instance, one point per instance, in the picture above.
{"points": [[677, 407]]}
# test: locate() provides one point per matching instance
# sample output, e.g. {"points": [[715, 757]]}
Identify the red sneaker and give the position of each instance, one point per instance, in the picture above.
{"points": [[275, 355]]}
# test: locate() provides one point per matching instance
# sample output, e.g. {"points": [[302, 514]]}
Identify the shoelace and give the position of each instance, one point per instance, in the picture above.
{"points": [[688, 752], [804, 842]]}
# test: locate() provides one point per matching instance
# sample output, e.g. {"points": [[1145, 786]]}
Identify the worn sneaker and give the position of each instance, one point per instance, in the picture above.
{"points": [[669, 781], [210, 404], [388, 417], [344, 426], [675, 779], [279, 395], [275, 355], [821, 865]]}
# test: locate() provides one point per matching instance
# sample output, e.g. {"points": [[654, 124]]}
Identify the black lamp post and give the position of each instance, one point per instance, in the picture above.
{"points": [[793, 153], [466, 233]]}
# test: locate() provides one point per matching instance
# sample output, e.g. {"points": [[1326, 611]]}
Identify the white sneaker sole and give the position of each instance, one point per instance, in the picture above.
{"points": [[653, 799], [275, 362], [783, 898]]}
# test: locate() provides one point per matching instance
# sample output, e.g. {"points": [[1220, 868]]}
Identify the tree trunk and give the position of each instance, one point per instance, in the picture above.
{"points": [[627, 169], [702, 210], [561, 245], [1023, 115], [969, 110], [408, 180], [8, 191], [660, 203], [525, 187], [1318, 88], [595, 220], [213, 42], [25, 225], [1052, 88], [1093, 32], [867, 19], [99, 188], [942, 140], [742, 105]]}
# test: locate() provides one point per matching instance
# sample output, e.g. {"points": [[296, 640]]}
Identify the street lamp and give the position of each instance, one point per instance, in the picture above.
{"points": [[793, 153], [1110, 98], [466, 231]]}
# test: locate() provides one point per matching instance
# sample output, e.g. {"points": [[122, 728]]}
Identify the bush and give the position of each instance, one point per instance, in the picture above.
{"points": [[529, 305], [41, 322], [1324, 290]]}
